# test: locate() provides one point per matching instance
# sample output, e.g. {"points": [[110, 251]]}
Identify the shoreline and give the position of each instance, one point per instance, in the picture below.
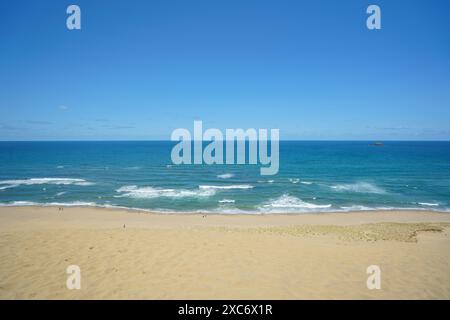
{"points": [[139, 255], [213, 213], [109, 216]]}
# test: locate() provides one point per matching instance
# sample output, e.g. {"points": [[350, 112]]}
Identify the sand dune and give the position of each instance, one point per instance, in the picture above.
{"points": [[129, 255]]}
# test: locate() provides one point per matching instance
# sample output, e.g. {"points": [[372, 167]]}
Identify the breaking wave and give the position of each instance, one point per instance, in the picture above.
{"points": [[225, 176], [236, 186], [50, 204], [428, 204], [150, 192], [226, 201], [37, 181], [296, 180], [361, 187], [287, 203]]}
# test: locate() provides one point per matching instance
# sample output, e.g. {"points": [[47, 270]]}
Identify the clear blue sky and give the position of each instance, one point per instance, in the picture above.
{"points": [[139, 69]]}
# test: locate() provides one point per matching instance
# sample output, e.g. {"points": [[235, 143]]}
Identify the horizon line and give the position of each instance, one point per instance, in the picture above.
{"points": [[281, 140]]}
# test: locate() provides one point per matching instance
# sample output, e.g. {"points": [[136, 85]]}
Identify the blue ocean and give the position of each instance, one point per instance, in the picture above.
{"points": [[313, 177]]}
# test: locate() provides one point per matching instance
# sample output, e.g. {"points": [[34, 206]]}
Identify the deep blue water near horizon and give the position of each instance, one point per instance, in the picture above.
{"points": [[314, 176]]}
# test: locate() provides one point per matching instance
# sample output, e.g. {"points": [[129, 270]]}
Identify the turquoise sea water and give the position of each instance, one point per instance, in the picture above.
{"points": [[313, 177]]}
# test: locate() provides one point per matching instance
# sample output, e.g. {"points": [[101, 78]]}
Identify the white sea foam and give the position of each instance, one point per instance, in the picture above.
{"points": [[37, 181], [287, 203], [224, 210], [8, 187], [225, 176], [226, 201], [296, 180], [48, 204], [228, 187], [151, 192], [60, 193], [356, 208], [361, 187], [84, 183], [19, 203], [280, 205], [429, 204], [72, 204]]}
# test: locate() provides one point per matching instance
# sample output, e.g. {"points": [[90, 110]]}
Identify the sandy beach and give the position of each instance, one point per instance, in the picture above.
{"points": [[135, 255]]}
